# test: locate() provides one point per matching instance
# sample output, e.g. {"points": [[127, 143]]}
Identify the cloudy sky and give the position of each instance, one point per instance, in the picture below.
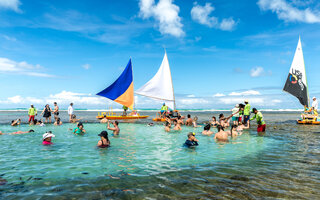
{"points": [[220, 52]]}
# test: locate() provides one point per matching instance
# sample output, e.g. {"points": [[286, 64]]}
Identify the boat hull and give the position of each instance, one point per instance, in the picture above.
{"points": [[123, 117], [159, 119], [308, 122]]}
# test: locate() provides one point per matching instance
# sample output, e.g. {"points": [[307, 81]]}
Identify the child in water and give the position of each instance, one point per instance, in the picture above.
{"points": [[47, 138], [104, 142], [191, 141], [79, 130]]}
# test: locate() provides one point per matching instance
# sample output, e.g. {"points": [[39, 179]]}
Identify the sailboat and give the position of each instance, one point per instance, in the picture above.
{"points": [[122, 92], [160, 87], [297, 86]]}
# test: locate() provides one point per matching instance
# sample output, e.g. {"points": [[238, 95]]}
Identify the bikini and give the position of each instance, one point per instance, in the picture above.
{"points": [[103, 145]]}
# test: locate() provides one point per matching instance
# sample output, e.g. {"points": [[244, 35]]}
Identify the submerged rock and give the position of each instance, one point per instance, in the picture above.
{"points": [[240, 178]]}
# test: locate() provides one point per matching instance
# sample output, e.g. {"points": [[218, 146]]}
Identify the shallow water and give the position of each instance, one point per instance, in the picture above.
{"points": [[148, 163]]}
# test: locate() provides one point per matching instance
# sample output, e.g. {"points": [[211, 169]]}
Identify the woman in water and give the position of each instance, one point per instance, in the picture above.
{"points": [[58, 122], [79, 130], [214, 122], [47, 138], [47, 113], [104, 142], [234, 131], [177, 126], [167, 127], [206, 130], [194, 122]]}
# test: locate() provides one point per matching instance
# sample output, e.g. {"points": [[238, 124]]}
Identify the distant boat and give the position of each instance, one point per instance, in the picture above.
{"points": [[160, 87], [122, 92], [297, 86]]}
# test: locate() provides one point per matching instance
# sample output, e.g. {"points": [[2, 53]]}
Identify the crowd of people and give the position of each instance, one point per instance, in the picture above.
{"points": [[237, 122]]}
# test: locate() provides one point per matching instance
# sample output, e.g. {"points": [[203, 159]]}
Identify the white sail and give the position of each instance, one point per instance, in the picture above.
{"points": [[296, 83], [160, 87]]}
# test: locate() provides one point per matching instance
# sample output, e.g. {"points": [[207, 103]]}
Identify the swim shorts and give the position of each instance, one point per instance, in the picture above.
{"points": [[246, 119], [261, 128], [235, 118]]}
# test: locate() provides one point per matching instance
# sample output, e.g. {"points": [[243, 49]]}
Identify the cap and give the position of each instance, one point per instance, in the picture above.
{"points": [[191, 134], [103, 134], [246, 100], [237, 105], [253, 109], [48, 135]]}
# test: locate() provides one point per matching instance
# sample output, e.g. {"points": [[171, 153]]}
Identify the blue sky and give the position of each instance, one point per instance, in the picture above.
{"points": [[220, 52]]}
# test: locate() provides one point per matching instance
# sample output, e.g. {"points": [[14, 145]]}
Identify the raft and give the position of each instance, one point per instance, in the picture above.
{"points": [[308, 122]]}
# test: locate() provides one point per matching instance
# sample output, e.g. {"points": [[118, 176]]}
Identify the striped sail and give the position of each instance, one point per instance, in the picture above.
{"points": [[121, 91]]}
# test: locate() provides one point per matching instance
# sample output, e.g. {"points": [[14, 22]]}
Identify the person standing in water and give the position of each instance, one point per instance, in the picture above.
{"points": [[260, 121], [104, 142], [47, 113], [177, 126], [206, 130], [70, 111], [47, 138], [56, 111], [79, 130], [189, 121], [246, 112], [191, 141], [116, 129], [221, 135], [32, 112], [235, 113]]}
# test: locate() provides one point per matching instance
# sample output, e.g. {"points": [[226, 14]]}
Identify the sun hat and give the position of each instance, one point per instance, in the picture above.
{"points": [[48, 135], [313, 97], [103, 134], [246, 100]]}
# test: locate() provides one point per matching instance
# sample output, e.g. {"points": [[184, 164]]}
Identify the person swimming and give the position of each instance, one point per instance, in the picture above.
{"points": [[47, 138], [191, 141], [206, 130], [19, 132], [104, 142], [221, 135], [16, 122], [234, 131], [79, 130]]}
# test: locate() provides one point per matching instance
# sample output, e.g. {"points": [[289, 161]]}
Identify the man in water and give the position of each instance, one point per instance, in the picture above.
{"points": [[177, 126], [56, 111], [116, 129], [221, 135], [70, 111], [189, 121], [246, 112], [32, 112], [260, 121], [164, 110], [104, 120], [16, 122], [315, 106], [191, 141]]}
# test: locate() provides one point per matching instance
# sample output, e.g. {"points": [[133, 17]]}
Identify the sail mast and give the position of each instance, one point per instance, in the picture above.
{"points": [[305, 72]]}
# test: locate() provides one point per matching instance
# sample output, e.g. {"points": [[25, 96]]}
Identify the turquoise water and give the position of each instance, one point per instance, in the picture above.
{"points": [[139, 151], [148, 163]]}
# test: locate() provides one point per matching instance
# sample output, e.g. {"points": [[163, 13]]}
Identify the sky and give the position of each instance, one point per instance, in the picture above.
{"points": [[220, 52]]}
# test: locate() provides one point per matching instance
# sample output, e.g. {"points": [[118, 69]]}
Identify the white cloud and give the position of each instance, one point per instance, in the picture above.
{"points": [[15, 99], [245, 93], [9, 38], [259, 71], [8, 66], [10, 5], [201, 14], [276, 101], [288, 12], [219, 95], [192, 101], [165, 13], [86, 66], [191, 96]]}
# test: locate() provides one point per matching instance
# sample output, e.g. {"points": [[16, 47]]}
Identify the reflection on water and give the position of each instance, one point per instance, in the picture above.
{"points": [[146, 162]]}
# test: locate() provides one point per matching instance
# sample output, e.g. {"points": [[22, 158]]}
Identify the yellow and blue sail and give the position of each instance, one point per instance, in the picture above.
{"points": [[121, 91]]}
